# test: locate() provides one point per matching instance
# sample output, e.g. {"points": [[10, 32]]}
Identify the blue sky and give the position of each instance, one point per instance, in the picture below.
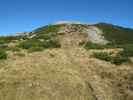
{"points": [[26, 15]]}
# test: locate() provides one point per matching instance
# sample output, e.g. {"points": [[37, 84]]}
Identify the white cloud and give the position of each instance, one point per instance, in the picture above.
{"points": [[67, 22]]}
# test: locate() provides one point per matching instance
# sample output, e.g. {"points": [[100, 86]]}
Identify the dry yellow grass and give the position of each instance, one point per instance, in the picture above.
{"points": [[61, 74], [66, 73]]}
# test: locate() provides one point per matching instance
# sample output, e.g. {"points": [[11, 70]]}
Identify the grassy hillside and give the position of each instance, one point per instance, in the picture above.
{"points": [[47, 29], [48, 37], [48, 65], [41, 38], [116, 34]]}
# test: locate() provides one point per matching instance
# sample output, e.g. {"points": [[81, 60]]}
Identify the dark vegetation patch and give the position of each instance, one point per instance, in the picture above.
{"points": [[35, 49], [13, 49], [116, 34], [20, 54], [3, 55], [30, 43], [9, 38], [90, 45], [102, 55], [46, 42], [128, 51], [117, 59]]}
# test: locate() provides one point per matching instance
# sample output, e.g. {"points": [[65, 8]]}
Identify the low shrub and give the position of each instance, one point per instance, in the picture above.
{"points": [[90, 45], [102, 55], [30, 43], [52, 44], [35, 49], [127, 52], [45, 36], [3, 54], [2, 42], [117, 60], [14, 49], [19, 54], [24, 45]]}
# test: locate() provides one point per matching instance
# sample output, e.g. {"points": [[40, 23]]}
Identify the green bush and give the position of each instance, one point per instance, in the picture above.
{"points": [[127, 52], [19, 54], [30, 43], [14, 49], [102, 55], [45, 36], [117, 60], [25, 45], [3, 55], [2, 42], [52, 44], [90, 45], [35, 49]]}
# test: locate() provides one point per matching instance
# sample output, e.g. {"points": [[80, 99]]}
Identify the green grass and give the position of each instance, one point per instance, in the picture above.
{"points": [[116, 34], [90, 45]]}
